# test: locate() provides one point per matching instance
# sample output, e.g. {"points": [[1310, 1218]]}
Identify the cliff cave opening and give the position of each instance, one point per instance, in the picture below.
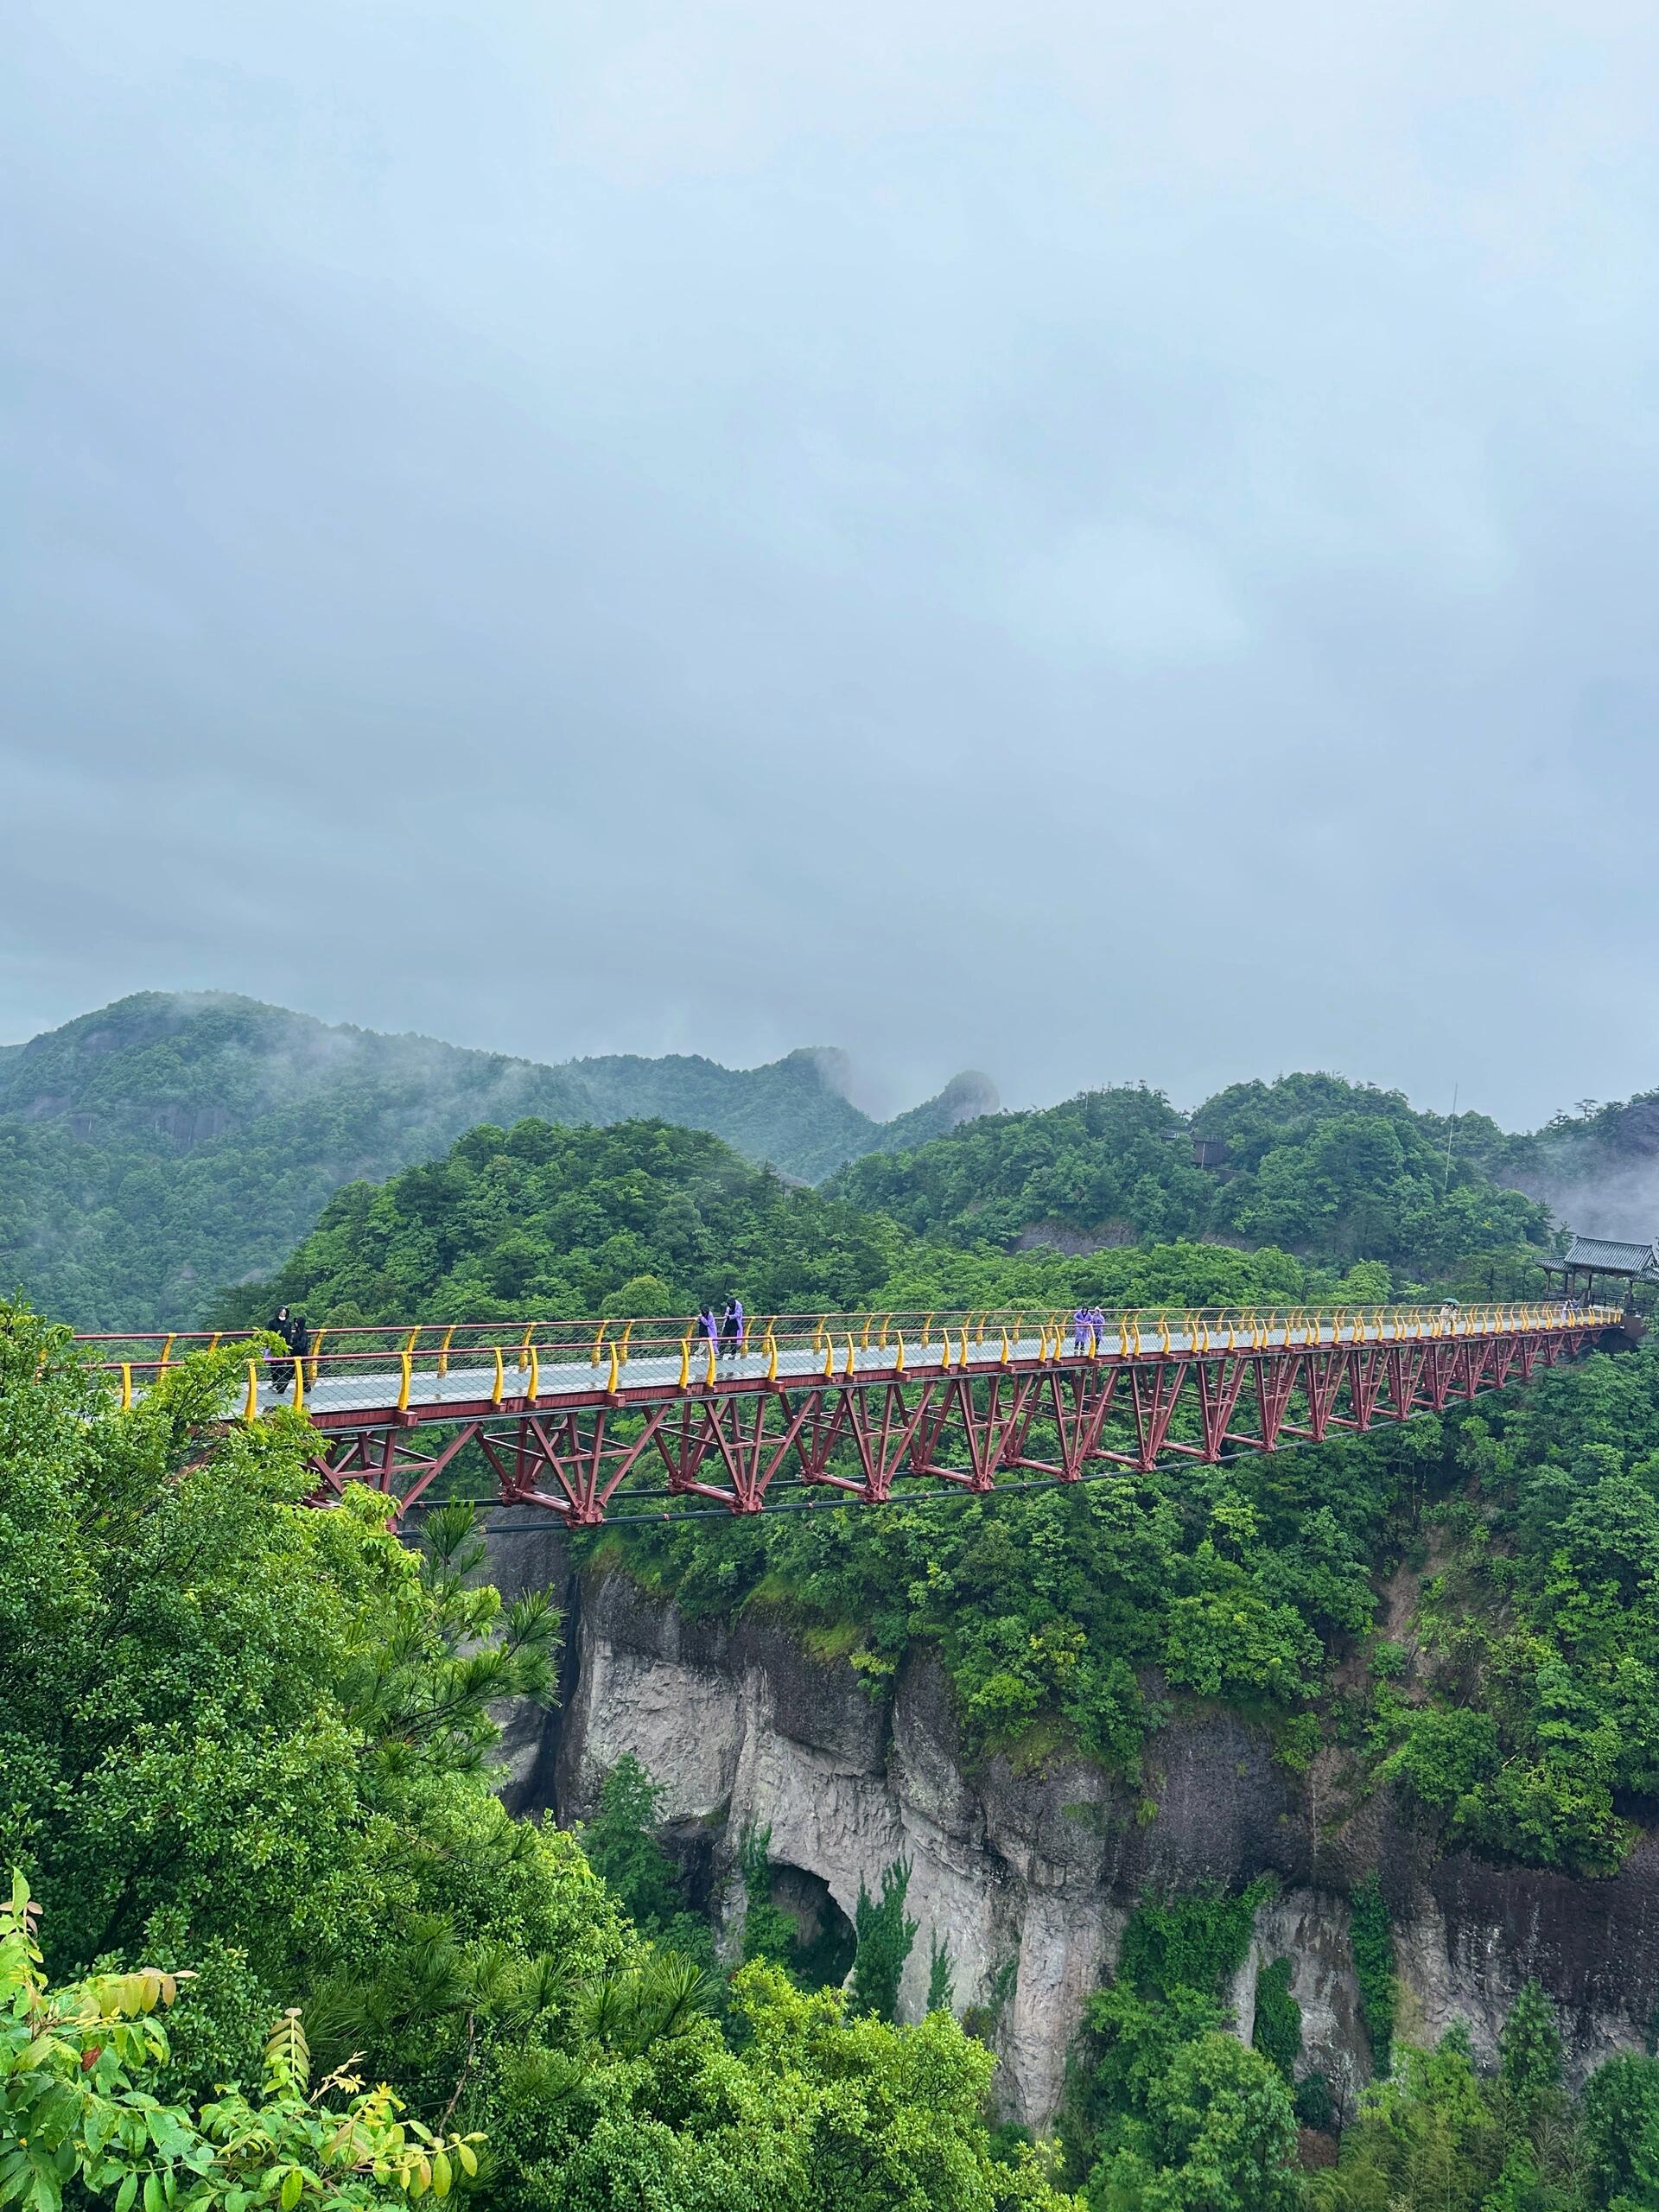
{"points": [[824, 1940]]}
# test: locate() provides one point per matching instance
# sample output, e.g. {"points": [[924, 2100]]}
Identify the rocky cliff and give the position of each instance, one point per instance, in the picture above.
{"points": [[1041, 1870]]}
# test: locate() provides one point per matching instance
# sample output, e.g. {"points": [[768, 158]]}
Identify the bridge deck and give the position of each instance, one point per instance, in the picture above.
{"points": [[356, 1377]]}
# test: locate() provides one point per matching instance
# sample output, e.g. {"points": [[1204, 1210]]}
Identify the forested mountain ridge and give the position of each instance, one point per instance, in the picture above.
{"points": [[542, 1220], [168, 1144], [1332, 1170]]}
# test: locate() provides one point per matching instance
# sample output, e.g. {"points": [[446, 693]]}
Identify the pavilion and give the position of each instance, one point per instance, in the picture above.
{"points": [[1588, 1257]]}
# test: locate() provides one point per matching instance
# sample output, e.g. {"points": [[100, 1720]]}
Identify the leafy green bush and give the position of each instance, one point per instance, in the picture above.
{"points": [[1278, 2030], [885, 1935], [1373, 1941]]}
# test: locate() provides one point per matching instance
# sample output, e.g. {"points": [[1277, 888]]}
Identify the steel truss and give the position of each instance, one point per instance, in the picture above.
{"points": [[730, 1442]]}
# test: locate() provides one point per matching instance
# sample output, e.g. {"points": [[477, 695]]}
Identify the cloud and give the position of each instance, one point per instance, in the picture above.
{"points": [[1088, 542]]}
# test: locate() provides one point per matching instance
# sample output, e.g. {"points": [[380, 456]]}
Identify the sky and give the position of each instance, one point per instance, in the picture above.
{"points": [[1084, 540]]}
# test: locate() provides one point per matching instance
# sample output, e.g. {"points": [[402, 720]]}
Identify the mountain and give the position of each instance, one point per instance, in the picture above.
{"points": [[168, 1144], [1329, 1170], [637, 1216]]}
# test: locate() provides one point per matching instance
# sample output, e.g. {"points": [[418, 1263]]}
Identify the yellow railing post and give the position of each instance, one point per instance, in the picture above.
{"points": [[615, 1377], [709, 1372], [443, 1350], [685, 1364], [597, 1342], [167, 1353], [252, 1405], [772, 1357], [535, 1374], [501, 1390], [212, 1341], [852, 1362], [126, 1386], [927, 1332], [316, 1354], [1163, 1333], [299, 1386], [626, 1334], [407, 1364], [829, 1357], [1007, 1351]]}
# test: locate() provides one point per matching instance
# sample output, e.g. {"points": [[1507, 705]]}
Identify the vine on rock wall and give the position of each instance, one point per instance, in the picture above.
{"points": [[1373, 1941]]}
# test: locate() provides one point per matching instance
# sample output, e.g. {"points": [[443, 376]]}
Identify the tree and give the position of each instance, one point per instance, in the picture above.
{"points": [[884, 1937], [621, 1846], [1218, 2135], [1529, 2047], [769, 1932], [940, 1975]]}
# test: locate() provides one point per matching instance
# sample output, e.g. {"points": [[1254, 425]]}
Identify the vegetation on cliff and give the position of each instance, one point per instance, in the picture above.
{"points": [[1528, 1728]]}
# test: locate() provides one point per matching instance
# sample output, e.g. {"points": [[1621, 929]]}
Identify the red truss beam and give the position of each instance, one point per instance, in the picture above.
{"points": [[734, 1442]]}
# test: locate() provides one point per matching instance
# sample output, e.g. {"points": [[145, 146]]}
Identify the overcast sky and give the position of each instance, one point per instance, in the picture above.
{"points": [[1091, 541]]}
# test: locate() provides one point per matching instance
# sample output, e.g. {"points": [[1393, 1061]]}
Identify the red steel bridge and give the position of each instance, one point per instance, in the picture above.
{"points": [[622, 1419]]}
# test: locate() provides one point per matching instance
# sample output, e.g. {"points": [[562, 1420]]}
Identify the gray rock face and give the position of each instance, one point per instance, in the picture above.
{"points": [[1042, 1869]]}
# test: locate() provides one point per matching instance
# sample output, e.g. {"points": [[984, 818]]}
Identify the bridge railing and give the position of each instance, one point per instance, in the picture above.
{"points": [[352, 1364]]}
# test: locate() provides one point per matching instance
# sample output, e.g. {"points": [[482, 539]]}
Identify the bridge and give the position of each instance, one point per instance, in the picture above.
{"points": [[612, 1420]]}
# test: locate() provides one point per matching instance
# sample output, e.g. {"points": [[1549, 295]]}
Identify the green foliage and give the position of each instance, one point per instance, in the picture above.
{"points": [[1373, 1941], [884, 1937], [1438, 2137], [555, 1222], [769, 1932], [620, 1845], [1278, 2032], [1169, 2110], [1342, 1171], [80, 2118], [1428, 2138], [1196, 1942], [236, 1728], [1540, 1737], [1619, 2131], [1530, 2045], [940, 1975]]}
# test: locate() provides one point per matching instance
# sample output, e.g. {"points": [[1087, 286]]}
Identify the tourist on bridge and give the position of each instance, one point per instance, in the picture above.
{"points": [[291, 1328], [708, 1323], [735, 1328], [1079, 1330]]}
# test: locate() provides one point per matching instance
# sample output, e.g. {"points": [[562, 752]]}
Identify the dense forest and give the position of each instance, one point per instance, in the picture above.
{"points": [[1331, 1170], [168, 1145]]}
